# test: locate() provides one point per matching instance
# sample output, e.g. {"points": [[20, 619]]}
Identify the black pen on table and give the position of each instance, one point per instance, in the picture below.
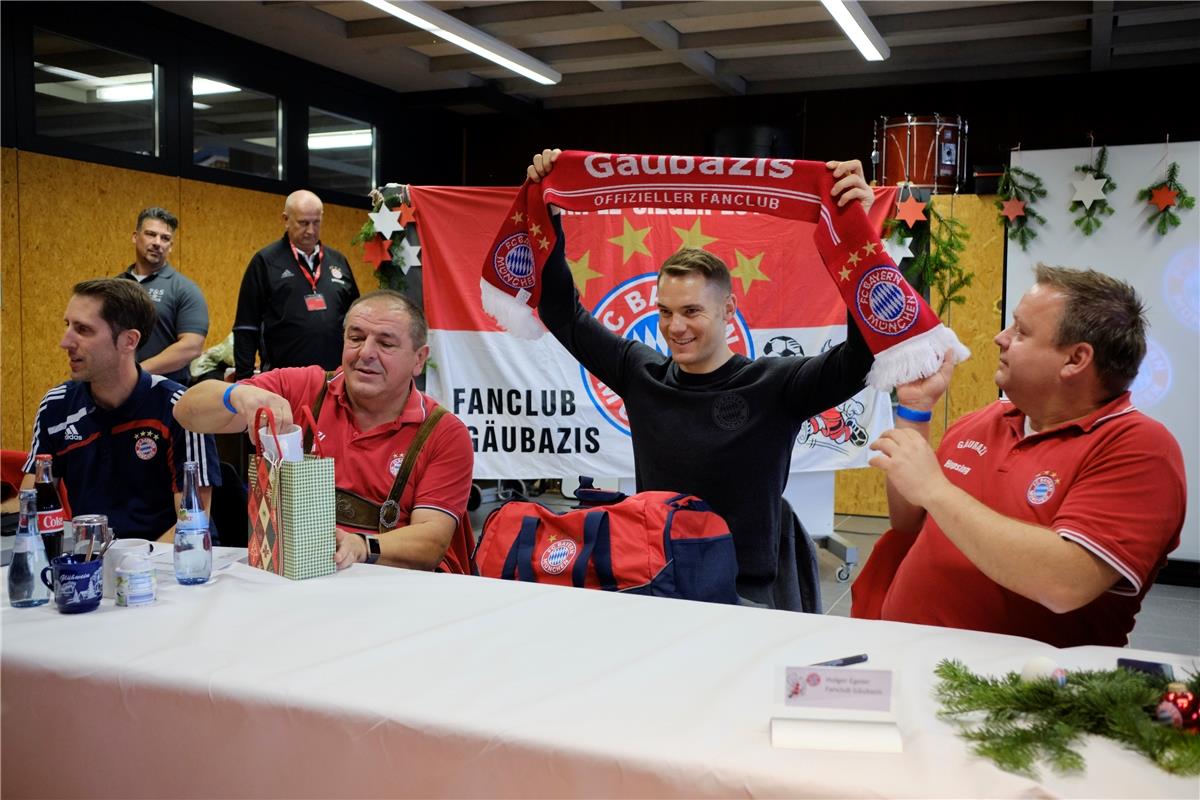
{"points": [[845, 661]]}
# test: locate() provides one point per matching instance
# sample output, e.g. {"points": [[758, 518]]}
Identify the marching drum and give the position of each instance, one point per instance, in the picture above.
{"points": [[927, 152]]}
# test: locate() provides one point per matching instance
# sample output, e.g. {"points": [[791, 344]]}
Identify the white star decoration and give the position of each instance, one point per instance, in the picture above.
{"points": [[385, 222], [1088, 190], [408, 254], [898, 250]]}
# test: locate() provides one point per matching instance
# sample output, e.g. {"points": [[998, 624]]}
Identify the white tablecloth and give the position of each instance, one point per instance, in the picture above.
{"points": [[381, 682]]}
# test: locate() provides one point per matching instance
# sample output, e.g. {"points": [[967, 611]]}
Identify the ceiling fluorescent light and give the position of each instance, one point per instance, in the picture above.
{"points": [[338, 140], [208, 86], [468, 38], [858, 28], [125, 93]]}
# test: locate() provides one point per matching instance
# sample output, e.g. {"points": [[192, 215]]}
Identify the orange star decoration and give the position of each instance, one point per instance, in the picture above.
{"points": [[911, 211], [375, 251], [406, 215], [1163, 197], [1012, 209]]}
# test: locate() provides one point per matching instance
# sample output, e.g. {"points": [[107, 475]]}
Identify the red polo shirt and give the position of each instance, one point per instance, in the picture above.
{"points": [[366, 462], [1112, 482]]}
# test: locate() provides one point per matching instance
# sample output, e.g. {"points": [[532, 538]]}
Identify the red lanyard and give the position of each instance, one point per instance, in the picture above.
{"points": [[312, 276]]}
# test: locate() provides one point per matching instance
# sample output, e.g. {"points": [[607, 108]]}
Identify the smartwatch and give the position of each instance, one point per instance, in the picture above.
{"points": [[372, 547]]}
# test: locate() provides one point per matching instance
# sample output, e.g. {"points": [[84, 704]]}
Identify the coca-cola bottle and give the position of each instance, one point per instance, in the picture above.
{"points": [[49, 507]]}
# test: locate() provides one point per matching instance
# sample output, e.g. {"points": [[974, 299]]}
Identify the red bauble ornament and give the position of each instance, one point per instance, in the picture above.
{"points": [[1188, 705]]}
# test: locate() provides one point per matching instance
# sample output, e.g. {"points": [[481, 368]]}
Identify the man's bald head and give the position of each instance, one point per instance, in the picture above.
{"points": [[302, 212]]}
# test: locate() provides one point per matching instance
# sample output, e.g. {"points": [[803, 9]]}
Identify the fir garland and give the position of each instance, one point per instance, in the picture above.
{"points": [[937, 247], [1165, 218], [1089, 221], [1018, 723], [1011, 188]]}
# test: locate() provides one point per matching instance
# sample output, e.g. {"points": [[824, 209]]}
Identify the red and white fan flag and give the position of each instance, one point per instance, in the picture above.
{"points": [[533, 412]]}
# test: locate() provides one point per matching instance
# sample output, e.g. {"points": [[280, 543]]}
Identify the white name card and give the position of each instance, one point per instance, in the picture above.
{"points": [[838, 687], [836, 708]]}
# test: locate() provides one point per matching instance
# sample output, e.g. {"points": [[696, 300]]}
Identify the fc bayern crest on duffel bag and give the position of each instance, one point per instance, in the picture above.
{"points": [[663, 544]]}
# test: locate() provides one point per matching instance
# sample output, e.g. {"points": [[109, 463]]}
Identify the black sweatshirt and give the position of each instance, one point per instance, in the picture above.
{"points": [[725, 436]]}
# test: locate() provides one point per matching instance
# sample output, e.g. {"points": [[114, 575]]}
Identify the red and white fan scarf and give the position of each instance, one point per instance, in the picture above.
{"points": [[907, 338]]}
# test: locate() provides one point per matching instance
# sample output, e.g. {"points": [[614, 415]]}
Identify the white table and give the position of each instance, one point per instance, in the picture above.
{"points": [[381, 682]]}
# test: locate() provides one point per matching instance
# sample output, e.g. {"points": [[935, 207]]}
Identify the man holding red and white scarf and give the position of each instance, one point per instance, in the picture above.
{"points": [[703, 420]]}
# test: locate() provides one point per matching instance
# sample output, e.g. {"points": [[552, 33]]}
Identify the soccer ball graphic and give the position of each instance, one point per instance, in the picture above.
{"points": [[779, 346]]}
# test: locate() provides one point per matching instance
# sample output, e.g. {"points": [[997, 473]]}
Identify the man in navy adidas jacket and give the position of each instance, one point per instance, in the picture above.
{"points": [[116, 445]]}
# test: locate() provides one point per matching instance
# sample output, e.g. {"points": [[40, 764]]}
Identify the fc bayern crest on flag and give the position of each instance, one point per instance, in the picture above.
{"points": [[513, 262], [631, 310], [883, 302], [558, 556]]}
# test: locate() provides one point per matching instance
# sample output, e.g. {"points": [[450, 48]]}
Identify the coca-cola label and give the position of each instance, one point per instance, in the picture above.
{"points": [[50, 521]]}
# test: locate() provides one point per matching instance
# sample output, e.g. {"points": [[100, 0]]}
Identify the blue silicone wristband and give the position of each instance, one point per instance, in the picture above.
{"points": [[913, 416], [225, 399]]}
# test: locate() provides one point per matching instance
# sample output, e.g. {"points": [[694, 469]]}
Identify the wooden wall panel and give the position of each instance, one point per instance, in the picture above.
{"points": [[226, 226], [12, 402], [76, 222], [861, 491], [978, 320], [65, 220]]}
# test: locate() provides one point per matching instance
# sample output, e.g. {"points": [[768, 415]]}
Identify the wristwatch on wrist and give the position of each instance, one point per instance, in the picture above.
{"points": [[372, 547]]}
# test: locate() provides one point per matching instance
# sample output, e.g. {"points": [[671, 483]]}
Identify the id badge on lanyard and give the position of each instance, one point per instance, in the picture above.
{"points": [[316, 300]]}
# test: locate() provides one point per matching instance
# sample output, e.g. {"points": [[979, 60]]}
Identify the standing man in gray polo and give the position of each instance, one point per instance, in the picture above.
{"points": [[178, 333]]}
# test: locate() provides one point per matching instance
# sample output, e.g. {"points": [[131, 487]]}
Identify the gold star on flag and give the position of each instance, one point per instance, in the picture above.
{"points": [[535, 229], [517, 217], [845, 273], [581, 272], [544, 243], [693, 237], [853, 259], [632, 241], [869, 248], [747, 270]]}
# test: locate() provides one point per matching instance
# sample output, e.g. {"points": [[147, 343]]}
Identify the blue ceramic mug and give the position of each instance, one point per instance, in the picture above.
{"points": [[77, 583]]}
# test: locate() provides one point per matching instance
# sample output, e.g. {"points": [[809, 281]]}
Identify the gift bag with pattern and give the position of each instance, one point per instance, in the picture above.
{"points": [[292, 509]]}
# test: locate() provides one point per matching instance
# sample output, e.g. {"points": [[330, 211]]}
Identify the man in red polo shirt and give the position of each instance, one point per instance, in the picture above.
{"points": [[1049, 513], [369, 412]]}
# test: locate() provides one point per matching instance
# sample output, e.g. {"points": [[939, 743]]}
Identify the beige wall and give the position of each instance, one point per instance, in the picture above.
{"points": [[62, 221], [861, 491]]}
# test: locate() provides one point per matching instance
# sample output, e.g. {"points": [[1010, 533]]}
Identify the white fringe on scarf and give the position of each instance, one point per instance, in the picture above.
{"points": [[917, 357], [514, 315]]}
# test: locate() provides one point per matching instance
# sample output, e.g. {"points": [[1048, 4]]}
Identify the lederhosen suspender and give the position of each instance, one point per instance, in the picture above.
{"points": [[359, 512]]}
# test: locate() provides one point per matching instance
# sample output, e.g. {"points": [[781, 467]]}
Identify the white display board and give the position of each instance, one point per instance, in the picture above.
{"points": [[1165, 270]]}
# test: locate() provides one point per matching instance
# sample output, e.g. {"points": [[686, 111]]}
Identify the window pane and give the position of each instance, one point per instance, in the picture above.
{"points": [[234, 128], [341, 152], [90, 94]]}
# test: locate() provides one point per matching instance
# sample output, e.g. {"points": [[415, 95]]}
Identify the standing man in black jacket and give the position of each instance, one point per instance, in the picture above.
{"points": [[294, 296]]}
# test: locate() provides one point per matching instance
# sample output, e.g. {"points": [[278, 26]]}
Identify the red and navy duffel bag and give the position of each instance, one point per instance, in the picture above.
{"points": [[656, 543]]}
